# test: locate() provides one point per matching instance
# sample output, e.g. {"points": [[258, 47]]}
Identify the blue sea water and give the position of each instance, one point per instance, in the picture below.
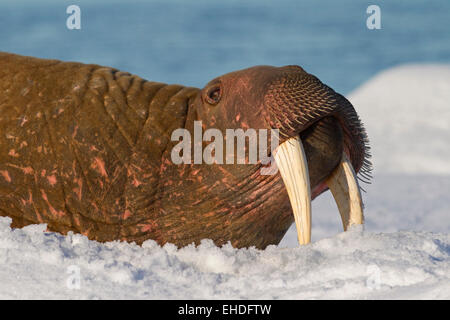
{"points": [[192, 41]]}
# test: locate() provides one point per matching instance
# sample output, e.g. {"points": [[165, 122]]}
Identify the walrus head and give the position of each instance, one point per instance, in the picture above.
{"points": [[323, 145]]}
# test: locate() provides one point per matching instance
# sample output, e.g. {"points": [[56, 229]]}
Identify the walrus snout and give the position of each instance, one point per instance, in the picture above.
{"points": [[324, 145], [296, 100]]}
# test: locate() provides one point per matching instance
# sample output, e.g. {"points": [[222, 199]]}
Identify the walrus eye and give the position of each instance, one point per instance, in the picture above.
{"points": [[214, 94]]}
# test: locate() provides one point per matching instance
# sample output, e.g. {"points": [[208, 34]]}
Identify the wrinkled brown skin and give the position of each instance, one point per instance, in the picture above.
{"points": [[87, 149]]}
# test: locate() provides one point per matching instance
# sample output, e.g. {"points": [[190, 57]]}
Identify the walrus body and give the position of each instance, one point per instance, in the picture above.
{"points": [[86, 148]]}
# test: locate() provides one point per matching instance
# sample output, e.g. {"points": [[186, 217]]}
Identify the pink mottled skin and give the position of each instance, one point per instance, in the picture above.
{"points": [[52, 180], [6, 175], [99, 165], [88, 150]]}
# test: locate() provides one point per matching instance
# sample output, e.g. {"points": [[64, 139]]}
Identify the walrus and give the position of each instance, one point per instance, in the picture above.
{"points": [[87, 149]]}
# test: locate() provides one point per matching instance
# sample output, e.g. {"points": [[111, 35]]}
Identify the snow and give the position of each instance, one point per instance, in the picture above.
{"points": [[406, 111], [354, 264], [403, 253]]}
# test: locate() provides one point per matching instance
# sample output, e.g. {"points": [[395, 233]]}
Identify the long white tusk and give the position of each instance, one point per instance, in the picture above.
{"points": [[291, 161], [345, 189]]}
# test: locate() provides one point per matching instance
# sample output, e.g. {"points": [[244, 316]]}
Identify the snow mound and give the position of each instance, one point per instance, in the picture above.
{"points": [[355, 264], [406, 111]]}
